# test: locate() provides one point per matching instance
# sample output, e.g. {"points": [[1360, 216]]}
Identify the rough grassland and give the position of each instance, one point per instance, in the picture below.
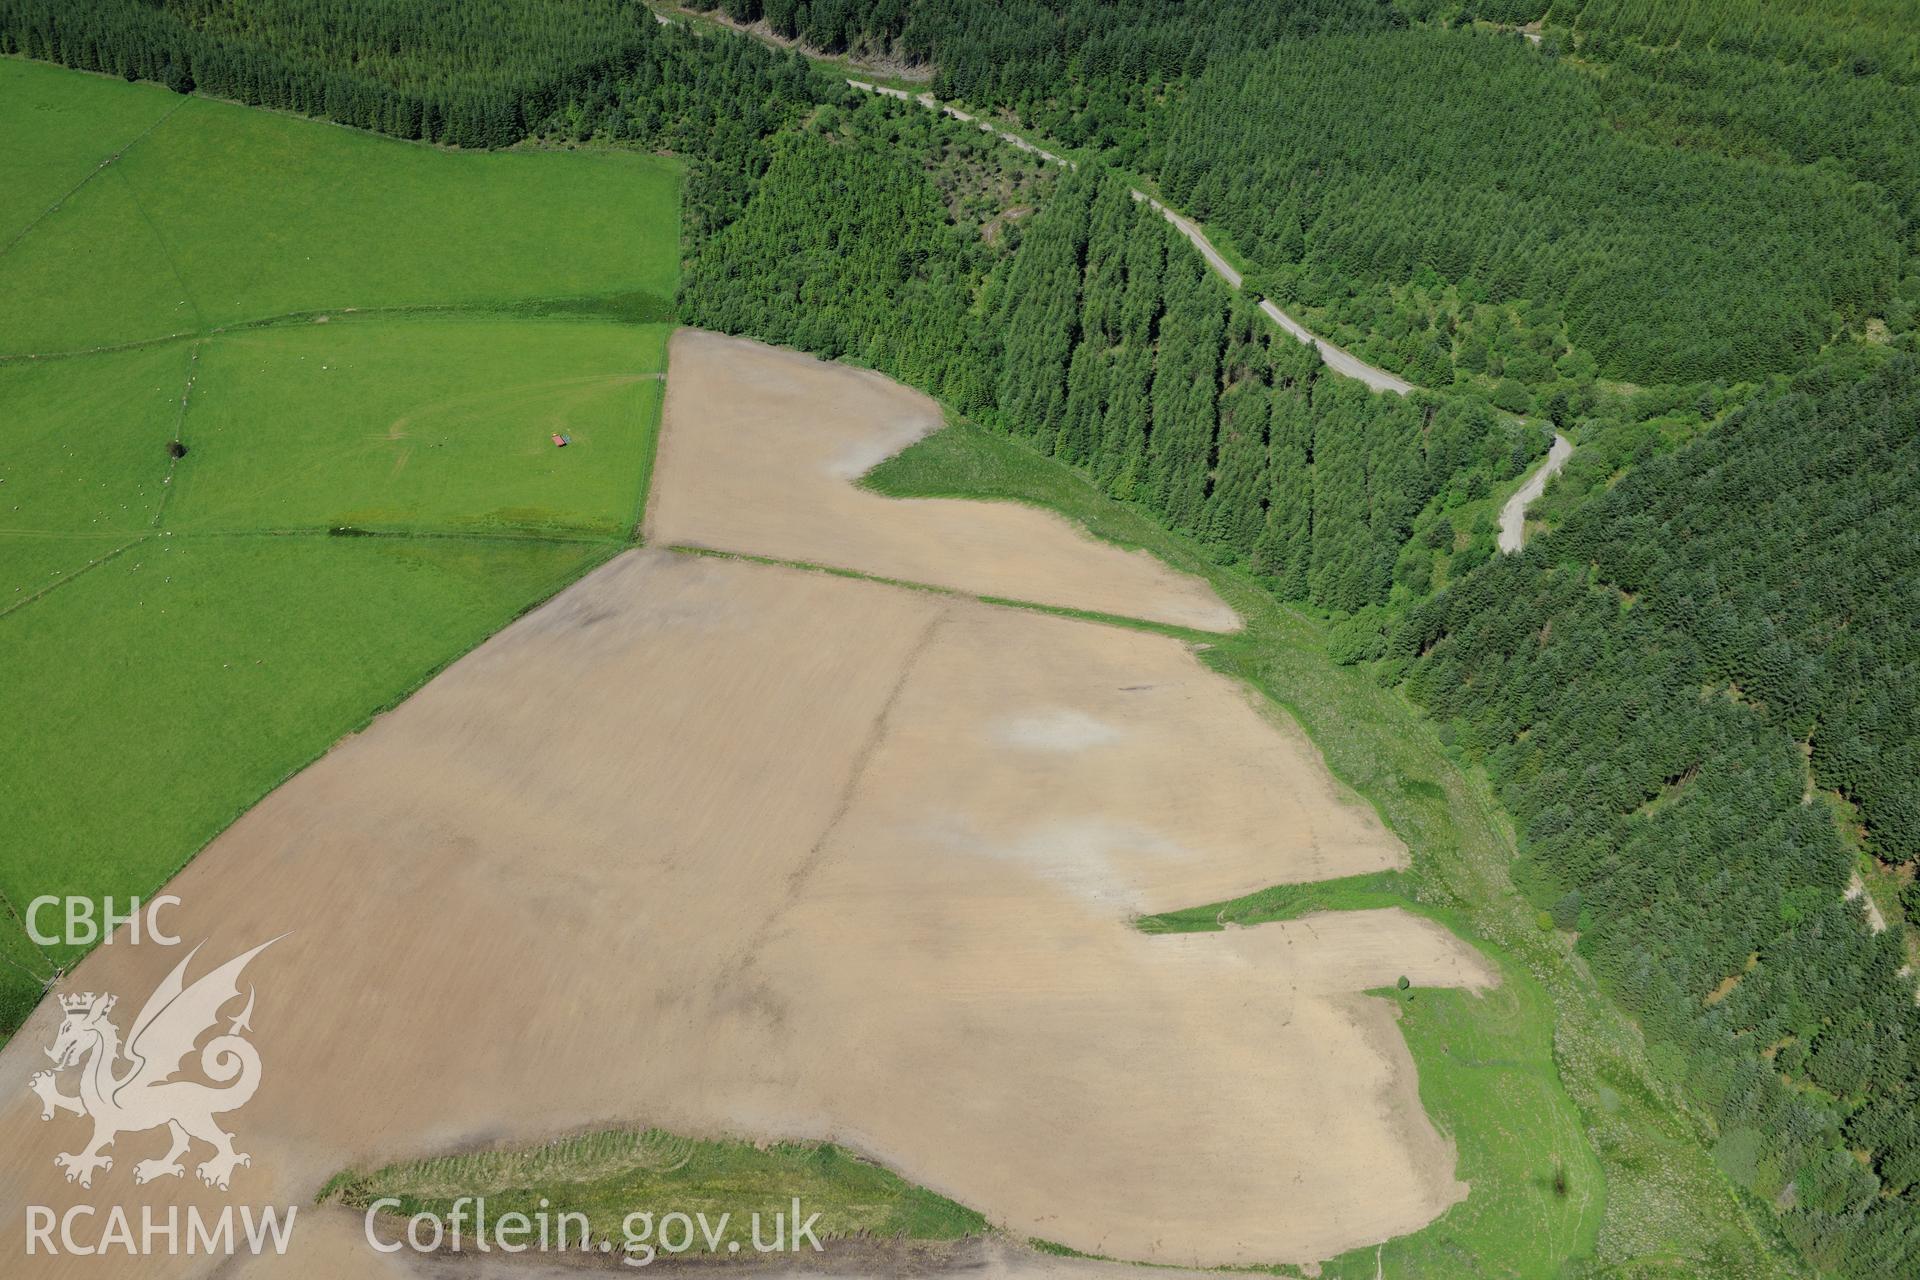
{"points": [[181, 635], [221, 215], [1658, 1207]]}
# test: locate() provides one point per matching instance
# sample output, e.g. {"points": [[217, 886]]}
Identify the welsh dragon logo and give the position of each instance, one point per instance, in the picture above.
{"points": [[144, 1095]]}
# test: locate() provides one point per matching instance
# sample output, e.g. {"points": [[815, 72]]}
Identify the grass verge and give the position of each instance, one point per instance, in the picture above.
{"points": [[609, 1176]]}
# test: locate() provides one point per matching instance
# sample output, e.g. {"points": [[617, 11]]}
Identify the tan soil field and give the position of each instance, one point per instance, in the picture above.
{"points": [[757, 453], [727, 847]]}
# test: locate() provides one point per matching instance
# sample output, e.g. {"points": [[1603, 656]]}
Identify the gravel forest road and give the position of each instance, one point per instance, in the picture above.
{"points": [[1337, 358]]}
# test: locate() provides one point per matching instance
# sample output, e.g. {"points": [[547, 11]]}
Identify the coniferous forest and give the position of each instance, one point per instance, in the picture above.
{"points": [[450, 71], [1670, 264], [1103, 340], [467, 75], [1674, 692], [1685, 235], [1648, 194]]}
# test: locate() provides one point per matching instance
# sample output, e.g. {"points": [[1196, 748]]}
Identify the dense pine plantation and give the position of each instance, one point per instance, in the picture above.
{"points": [[1671, 264], [1091, 71], [1643, 685], [884, 280], [472, 75], [1859, 37], [469, 75], [717, 103], [1123, 355], [1104, 340], [1655, 194], [1784, 545]]}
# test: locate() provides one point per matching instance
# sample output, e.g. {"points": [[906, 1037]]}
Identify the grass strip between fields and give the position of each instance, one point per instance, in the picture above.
{"points": [[1189, 634], [609, 1174]]}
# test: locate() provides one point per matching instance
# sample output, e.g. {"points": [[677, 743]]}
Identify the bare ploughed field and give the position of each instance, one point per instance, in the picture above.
{"points": [[760, 455], [729, 847]]}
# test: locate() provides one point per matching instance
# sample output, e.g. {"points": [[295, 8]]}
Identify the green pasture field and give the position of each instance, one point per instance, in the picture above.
{"points": [[91, 273], [85, 461], [220, 215], [358, 499], [1580, 1160], [422, 424], [153, 699], [55, 129]]}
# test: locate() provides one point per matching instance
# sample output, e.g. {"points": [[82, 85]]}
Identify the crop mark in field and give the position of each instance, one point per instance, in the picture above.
{"points": [[876, 734], [519, 393], [513, 308], [91, 175], [757, 994], [45, 980], [166, 253], [179, 424], [51, 587], [1200, 640], [856, 774], [499, 309], [106, 349], [444, 535]]}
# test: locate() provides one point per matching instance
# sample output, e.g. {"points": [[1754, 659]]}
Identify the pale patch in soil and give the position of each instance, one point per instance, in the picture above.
{"points": [[1056, 730]]}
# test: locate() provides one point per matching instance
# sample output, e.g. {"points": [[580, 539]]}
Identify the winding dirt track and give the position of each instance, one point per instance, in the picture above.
{"points": [[1339, 359], [730, 847], [1336, 358], [1513, 516]]}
